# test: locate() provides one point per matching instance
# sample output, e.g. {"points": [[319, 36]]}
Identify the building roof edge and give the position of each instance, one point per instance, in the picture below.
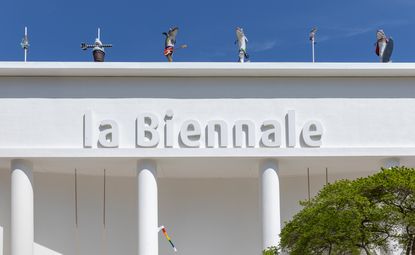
{"points": [[206, 69]]}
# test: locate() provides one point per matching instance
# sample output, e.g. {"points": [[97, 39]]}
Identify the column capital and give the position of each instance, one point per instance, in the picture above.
{"points": [[269, 163], [22, 164], [146, 164]]}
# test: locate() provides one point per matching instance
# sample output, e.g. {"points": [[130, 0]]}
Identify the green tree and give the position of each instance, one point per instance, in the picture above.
{"points": [[393, 190], [336, 221], [273, 250], [348, 217]]}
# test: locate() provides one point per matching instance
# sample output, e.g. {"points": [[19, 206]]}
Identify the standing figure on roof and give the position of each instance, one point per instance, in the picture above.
{"points": [[170, 42], [242, 43], [384, 46]]}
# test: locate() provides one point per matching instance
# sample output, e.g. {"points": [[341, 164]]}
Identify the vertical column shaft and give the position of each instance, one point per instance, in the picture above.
{"points": [[270, 203], [22, 225], [147, 208]]}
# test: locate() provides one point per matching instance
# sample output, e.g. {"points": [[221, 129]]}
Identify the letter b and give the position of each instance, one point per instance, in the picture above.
{"points": [[147, 135]]}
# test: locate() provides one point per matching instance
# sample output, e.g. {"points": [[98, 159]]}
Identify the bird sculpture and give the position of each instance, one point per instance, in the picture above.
{"points": [[384, 46], [242, 42]]}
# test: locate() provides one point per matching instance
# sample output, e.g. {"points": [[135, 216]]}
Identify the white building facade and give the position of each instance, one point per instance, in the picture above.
{"points": [[95, 157]]}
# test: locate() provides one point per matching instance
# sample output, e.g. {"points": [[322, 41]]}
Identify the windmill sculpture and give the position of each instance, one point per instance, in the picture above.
{"points": [[97, 48], [312, 38], [25, 44]]}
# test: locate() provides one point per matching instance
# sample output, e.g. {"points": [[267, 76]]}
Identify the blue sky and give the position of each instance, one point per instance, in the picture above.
{"points": [[277, 30]]}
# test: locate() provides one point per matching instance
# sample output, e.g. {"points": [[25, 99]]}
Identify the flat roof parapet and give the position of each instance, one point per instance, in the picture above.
{"points": [[205, 69]]}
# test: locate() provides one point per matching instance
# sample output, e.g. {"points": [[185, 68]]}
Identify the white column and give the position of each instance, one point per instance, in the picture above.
{"points": [[1, 240], [22, 228], [270, 203], [147, 208]]}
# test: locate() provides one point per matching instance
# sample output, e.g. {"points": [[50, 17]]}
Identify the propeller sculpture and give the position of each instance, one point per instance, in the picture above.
{"points": [[97, 48]]}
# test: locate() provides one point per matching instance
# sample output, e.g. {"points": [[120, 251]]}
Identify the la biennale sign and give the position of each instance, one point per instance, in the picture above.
{"points": [[152, 131]]}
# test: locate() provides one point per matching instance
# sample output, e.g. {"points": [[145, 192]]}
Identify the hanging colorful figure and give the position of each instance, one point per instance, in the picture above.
{"points": [[163, 229], [242, 44]]}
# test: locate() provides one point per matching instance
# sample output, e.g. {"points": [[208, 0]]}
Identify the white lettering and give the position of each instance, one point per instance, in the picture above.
{"points": [[312, 133], [247, 127], [190, 133], [215, 133], [147, 135], [222, 129], [271, 136], [88, 129], [291, 128], [108, 136], [168, 129]]}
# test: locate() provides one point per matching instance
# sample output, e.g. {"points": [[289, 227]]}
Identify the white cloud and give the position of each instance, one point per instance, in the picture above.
{"points": [[356, 31], [262, 46]]}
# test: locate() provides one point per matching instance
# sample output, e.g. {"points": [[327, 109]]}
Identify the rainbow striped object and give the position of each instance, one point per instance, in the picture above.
{"points": [[162, 228]]}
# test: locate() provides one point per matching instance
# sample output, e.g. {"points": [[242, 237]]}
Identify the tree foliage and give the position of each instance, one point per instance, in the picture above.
{"points": [[350, 217], [273, 250]]}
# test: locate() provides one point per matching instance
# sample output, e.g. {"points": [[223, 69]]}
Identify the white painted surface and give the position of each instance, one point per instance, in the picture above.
{"points": [[270, 203], [120, 69], [147, 207], [208, 195], [1, 240], [348, 121], [22, 219], [55, 214], [40, 249], [202, 215]]}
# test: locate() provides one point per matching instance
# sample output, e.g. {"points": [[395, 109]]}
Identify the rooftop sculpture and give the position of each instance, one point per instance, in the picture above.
{"points": [[97, 48], [312, 38], [384, 46], [25, 44], [170, 42], [242, 42]]}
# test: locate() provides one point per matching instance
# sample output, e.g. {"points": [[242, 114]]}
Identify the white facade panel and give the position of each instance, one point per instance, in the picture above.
{"points": [[321, 122]]}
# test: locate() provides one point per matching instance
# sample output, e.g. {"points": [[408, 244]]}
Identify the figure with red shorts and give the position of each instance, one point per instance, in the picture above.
{"points": [[170, 42]]}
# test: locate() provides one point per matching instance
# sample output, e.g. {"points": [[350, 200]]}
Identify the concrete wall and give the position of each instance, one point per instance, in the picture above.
{"points": [[203, 216], [48, 112]]}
